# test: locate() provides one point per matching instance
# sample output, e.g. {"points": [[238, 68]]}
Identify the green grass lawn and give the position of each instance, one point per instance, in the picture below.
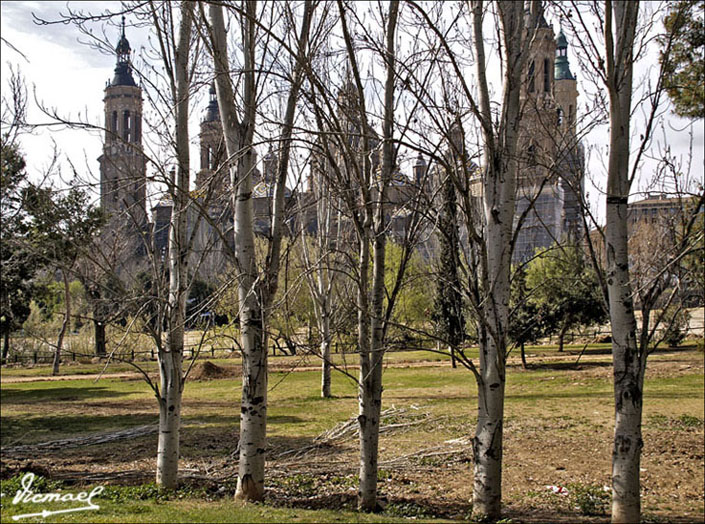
{"points": [[558, 429], [86, 368]]}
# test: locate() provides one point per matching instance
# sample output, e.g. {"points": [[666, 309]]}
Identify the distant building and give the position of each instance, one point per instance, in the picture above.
{"points": [[656, 208]]}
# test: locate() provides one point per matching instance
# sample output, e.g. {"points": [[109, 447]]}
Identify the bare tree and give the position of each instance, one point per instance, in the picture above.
{"points": [[255, 290], [487, 199], [170, 360], [627, 34]]}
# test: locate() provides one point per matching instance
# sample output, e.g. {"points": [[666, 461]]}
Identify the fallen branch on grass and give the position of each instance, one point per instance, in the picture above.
{"points": [[348, 429], [84, 440]]}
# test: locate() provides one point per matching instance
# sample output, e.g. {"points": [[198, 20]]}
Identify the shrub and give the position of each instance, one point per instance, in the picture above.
{"points": [[588, 499]]}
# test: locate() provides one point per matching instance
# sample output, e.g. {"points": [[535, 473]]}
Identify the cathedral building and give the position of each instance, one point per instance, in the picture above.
{"points": [[550, 179]]}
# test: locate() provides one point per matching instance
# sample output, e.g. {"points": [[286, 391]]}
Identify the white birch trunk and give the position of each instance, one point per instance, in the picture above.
{"points": [[370, 388], [238, 140], [171, 356], [629, 363], [499, 165]]}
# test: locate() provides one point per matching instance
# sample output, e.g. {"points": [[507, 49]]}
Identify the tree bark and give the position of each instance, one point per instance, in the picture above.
{"points": [[523, 358], [370, 388], [239, 146], [500, 167], [64, 325], [99, 332], [629, 363], [561, 338], [325, 355], [171, 356], [5, 345]]}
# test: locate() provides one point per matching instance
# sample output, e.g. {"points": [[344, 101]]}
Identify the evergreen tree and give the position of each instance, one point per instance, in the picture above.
{"points": [[17, 265], [683, 57], [448, 304]]}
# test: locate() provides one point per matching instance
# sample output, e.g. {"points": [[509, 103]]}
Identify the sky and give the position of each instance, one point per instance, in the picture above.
{"points": [[66, 76]]}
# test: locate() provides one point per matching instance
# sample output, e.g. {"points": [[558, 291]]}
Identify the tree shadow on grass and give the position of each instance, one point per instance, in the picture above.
{"points": [[570, 366], [32, 395], [25, 430]]}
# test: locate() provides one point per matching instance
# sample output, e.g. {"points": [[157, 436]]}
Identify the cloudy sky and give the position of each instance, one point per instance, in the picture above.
{"points": [[66, 75]]}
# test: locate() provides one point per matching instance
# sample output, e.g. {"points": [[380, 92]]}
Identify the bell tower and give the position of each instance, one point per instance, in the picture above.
{"points": [[566, 90], [572, 164], [212, 149], [123, 165]]}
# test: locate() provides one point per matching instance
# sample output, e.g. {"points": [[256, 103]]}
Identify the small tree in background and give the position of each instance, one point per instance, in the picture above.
{"points": [[568, 289], [60, 224], [529, 321]]}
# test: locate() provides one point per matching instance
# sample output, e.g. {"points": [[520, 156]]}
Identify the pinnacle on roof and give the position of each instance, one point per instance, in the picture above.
{"points": [[123, 73], [562, 67], [212, 110]]}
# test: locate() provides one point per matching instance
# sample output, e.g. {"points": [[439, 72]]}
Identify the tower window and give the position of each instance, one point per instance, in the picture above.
{"points": [[126, 126], [570, 113], [546, 75], [560, 116], [532, 70], [138, 128], [531, 155], [114, 123], [215, 159]]}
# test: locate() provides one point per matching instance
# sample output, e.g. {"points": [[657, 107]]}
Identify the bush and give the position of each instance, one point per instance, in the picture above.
{"points": [[676, 320]]}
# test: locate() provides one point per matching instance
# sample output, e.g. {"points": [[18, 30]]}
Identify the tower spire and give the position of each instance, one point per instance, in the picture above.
{"points": [[562, 67], [123, 73]]}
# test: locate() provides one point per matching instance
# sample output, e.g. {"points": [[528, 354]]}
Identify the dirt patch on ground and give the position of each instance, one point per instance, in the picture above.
{"points": [[208, 371]]}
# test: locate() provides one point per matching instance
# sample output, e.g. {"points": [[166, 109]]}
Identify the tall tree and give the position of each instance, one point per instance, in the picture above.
{"points": [[612, 63], [629, 362], [448, 304], [255, 291], [171, 356], [488, 220], [321, 266]]}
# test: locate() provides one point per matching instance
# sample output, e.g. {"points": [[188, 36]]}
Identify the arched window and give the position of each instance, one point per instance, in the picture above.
{"points": [[212, 161], [126, 125], [205, 157], [570, 113], [138, 128], [114, 122], [546, 75], [532, 71]]}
